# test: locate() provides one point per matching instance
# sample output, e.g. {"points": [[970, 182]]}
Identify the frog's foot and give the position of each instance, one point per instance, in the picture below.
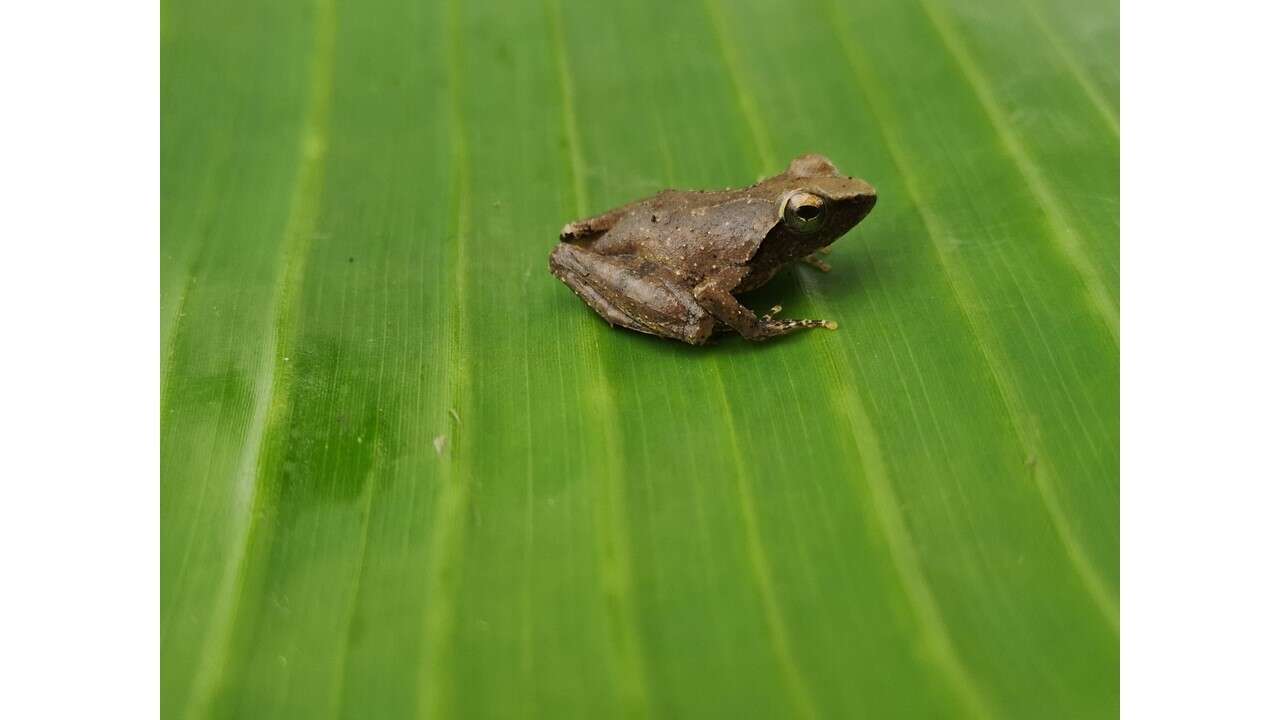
{"points": [[815, 261], [825, 249], [726, 308], [784, 327]]}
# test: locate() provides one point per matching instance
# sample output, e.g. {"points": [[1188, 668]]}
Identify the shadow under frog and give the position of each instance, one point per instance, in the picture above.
{"points": [[672, 265]]}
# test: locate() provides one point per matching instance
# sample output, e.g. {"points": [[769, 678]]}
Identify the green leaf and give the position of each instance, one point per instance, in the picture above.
{"points": [[405, 472]]}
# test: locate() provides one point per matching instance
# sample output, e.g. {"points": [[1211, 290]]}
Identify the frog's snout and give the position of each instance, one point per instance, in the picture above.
{"points": [[858, 197], [862, 189], [869, 197], [864, 195], [846, 189]]}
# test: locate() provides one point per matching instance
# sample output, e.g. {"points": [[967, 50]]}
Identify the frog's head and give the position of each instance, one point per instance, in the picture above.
{"points": [[818, 204]]}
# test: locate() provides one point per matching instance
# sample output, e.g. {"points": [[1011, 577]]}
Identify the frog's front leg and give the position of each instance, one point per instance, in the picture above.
{"points": [[632, 292], [720, 302]]}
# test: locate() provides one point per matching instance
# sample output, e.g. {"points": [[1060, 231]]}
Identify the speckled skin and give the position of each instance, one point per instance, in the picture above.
{"points": [[671, 264]]}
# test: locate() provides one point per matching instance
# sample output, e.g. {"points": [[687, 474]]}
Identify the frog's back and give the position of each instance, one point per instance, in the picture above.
{"points": [[691, 231]]}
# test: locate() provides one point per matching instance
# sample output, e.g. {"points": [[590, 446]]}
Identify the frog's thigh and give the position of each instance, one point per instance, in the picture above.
{"points": [[634, 293]]}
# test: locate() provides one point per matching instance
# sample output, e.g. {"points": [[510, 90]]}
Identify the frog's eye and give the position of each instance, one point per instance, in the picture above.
{"points": [[804, 212]]}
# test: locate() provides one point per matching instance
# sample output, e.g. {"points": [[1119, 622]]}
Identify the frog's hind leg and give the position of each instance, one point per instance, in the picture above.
{"points": [[634, 293]]}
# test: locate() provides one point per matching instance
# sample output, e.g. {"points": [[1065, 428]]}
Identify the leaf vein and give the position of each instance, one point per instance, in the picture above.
{"points": [[614, 552], [967, 298], [1065, 238], [274, 378], [1070, 62], [449, 519]]}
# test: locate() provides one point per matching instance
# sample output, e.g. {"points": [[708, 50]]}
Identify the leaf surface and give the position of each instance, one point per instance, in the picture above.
{"points": [[405, 472]]}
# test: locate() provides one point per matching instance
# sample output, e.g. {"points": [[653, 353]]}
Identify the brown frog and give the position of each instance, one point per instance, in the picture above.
{"points": [[670, 265]]}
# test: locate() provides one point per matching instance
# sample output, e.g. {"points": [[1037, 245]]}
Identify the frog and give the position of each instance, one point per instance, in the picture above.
{"points": [[674, 264]]}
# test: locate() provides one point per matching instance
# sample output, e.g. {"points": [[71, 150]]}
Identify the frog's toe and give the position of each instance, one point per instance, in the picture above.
{"points": [[784, 327], [817, 262]]}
